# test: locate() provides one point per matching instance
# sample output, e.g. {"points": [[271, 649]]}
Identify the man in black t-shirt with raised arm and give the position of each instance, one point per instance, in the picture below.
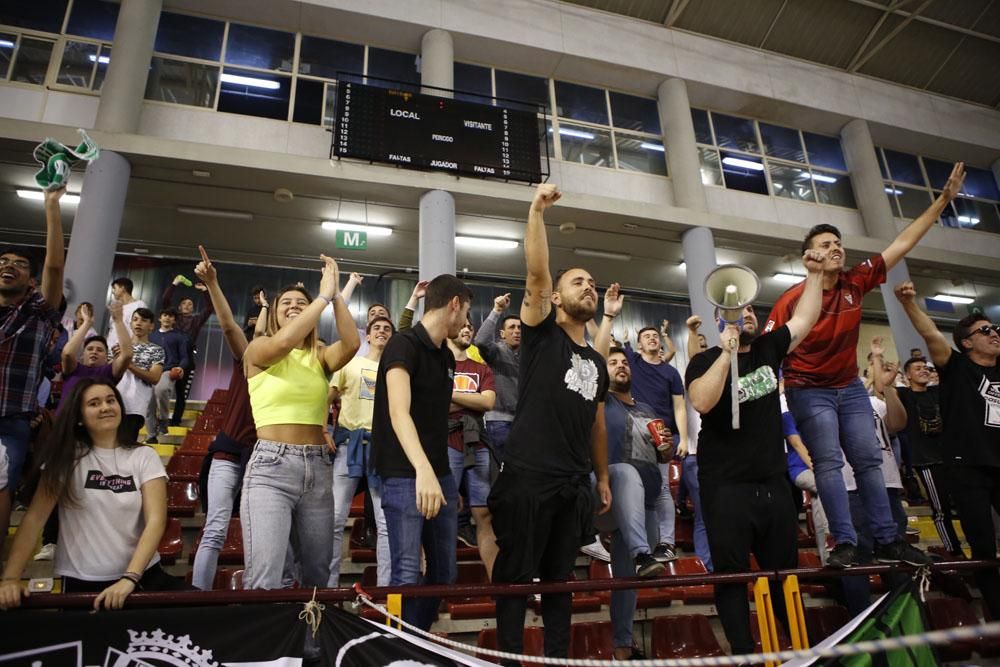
{"points": [[542, 502], [970, 410], [746, 499], [413, 391]]}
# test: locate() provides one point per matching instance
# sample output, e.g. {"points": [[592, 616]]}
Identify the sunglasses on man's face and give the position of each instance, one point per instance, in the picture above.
{"points": [[985, 330]]}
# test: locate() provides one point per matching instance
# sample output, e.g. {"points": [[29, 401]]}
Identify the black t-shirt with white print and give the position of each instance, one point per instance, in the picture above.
{"points": [[561, 384], [756, 451], [970, 407], [924, 425]]}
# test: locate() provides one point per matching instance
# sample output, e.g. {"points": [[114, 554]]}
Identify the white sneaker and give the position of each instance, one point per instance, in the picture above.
{"points": [[596, 550], [47, 552]]}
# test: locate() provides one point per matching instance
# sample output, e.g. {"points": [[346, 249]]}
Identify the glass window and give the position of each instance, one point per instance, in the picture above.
{"points": [[911, 202], [790, 182], [190, 36], [640, 154], [392, 65], [981, 183], [968, 214], [782, 143], [937, 172], [581, 103], [904, 168], [260, 47], [8, 42], [254, 93], [546, 145], [585, 145], [32, 61], [835, 189], [743, 173], [475, 80], [893, 204], [702, 128], [103, 60], [77, 65], [824, 151], [182, 82], [309, 97], [522, 87], [737, 133], [326, 57], [711, 170], [881, 163], [93, 18], [635, 113], [44, 15]]}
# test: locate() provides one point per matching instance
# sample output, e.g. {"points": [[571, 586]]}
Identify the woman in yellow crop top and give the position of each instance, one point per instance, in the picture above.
{"points": [[289, 479]]}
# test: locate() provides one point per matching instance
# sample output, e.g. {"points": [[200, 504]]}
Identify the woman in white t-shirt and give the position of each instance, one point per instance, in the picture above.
{"points": [[112, 498]]}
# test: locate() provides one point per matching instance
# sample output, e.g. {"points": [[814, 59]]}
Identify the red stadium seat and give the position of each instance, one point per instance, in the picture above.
{"points": [[688, 636], [784, 643], [954, 612], [684, 533], [356, 547], [821, 622], [811, 559], [228, 579], [196, 443], [696, 593], [534, 642], [591, 640], [171, 544], [232, 550], [183, 498], [481, 606], [646, 597], [357, 506], [184, 467]]}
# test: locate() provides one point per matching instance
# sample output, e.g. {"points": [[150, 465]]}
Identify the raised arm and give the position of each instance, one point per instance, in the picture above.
{"points": [[882, 379], [71, 350], [807, 309], [909, 237], [231, 331], [937, 344], [668, 345], [120, 363], [208, 307], [335, 356], [486, 335], [267, 350], [705, 392], [349, 287], [693, 348], [430, 498], [55, 250], [613, 301], [538, 285], [410, 309], [260, 326]]}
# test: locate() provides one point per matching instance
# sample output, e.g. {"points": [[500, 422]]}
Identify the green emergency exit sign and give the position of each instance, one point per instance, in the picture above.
{"points": [[351, 240]]}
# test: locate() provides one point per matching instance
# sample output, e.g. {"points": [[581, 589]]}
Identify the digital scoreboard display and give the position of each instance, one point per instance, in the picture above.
{"points": [[419, 131]]}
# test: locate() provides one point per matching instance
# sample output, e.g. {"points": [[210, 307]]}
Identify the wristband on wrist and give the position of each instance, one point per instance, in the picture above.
{"points": [[610, 317], [328, 301]]}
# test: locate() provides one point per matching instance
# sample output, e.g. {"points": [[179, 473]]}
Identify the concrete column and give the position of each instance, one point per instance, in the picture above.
{"points": [[437, 234], [125, 83], [876, 213], [95, 232], [682, 153], [699, 255], [437, 62]]}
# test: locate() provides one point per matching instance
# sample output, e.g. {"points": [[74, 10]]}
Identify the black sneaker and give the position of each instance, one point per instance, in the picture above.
{"points": [[647, 566], [664, 553], [467, 535], [151, 440], [842, 556], [900, 551]]}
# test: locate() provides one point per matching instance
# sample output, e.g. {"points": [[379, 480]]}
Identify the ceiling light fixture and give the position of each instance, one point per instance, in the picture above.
{"points": [[38, 195], [374, 230], [6, 44], [953, 298], [104, 60], [251, 81], [893, 191], [968, 219], [788, 278], [652, 147], [683, 266], [566, 132], [823, 178], [215, 213], [603, 254], [744, 164], [484, 243]]}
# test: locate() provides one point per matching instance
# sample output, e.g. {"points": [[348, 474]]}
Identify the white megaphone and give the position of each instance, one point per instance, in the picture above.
{"points": [[731, 288]]}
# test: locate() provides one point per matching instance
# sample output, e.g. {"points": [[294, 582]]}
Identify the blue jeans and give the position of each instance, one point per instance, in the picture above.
{"points": [[344, 488], [689, 478], [223, 482], [287, 490], [477, 478], [408, 531], [835, 423], [497, 431], [635, 531], [666, 514], [15, 435]]}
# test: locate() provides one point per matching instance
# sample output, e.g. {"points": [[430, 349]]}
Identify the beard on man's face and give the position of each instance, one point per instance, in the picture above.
{"points": [[621, 386], [579, 310], [747, 337]]}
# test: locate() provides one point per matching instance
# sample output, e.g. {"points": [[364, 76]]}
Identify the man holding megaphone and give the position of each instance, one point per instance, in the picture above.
{"points": [[745, 498]]}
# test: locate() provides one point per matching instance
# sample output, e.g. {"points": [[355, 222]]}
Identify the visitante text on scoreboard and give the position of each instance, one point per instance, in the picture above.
{"points": [[428, 132]]}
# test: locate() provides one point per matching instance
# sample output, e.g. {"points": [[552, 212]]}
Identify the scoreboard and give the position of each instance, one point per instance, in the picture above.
{"points": [[419, 131]]}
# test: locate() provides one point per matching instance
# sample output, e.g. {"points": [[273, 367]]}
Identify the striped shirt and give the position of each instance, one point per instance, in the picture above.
{"points": [[25, 334], [827, 357]]}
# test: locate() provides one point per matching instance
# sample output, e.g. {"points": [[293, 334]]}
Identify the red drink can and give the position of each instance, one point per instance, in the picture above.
{"points": [[656, 428]]}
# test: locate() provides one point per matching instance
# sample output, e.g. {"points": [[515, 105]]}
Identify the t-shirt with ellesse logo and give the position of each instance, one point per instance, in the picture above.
{"points": [[827, 356]]}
